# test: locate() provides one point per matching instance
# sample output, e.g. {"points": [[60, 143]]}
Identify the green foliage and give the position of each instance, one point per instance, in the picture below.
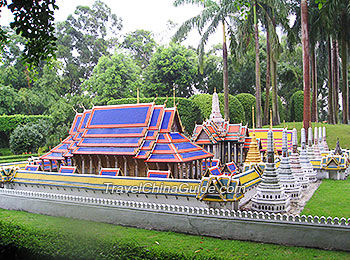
{"points": [[189, 112], [28, 138], [9, 101], [40, 40], [82, 40], [141, 45], [281, 108], [170, 67], [112, 78], [204, 102], [247, 101], [10, 123], [297, 106]]}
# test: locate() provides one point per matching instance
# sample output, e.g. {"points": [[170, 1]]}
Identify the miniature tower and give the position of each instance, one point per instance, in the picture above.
{"points": [[295, 163], [253, 155], [317, 151], [270, 194], [305, 161], [320, 143], [338, 150], [310, 150], [215, 115], [286, 176], [324, 142]]}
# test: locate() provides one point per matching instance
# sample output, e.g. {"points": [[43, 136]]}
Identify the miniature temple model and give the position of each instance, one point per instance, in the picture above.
{"points": [[288, 181], [295, 163], [134, 138], [270, 194], [219, 137], [304, 159], [335, 164]]}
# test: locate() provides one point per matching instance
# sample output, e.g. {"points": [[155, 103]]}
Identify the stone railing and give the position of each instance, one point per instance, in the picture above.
{"points": [[178, 209]]}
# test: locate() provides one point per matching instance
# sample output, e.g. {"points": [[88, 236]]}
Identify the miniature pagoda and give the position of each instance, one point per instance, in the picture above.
{"points": [[288, 181], [304, 159], [319, 139], [270, 196], [324, 141], [134, 138], [310, 150], [295, 163], [218, 136], [316, 147]]}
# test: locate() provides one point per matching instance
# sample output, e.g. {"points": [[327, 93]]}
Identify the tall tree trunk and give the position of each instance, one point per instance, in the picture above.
{"points": [[330, 85], [345, 89], [268, 75], [275, 111], [257, 72], [225, 72], [335, 72], [314, 114], [306, 62]]}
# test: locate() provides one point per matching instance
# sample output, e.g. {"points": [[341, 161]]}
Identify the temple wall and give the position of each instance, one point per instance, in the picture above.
{"points": [[307, 231]]}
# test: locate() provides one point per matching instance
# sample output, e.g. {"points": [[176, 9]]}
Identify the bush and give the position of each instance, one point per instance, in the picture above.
{"points": [[28, 138], [297, 106], [189, 111], [248, 101], [236, 110], [281, 108]]}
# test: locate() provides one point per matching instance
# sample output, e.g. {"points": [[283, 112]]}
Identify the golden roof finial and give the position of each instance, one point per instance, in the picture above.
{"points": [[138, 96], [284, 123], [166, 100], [214, 89], [271, 119], [155, 98], [174, 96]]}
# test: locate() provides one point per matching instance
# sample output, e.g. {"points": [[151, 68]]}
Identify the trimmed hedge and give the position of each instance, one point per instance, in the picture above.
{"points": [[204, 102], [8, 123], [296, 111], [189, 111], [248, 101]]}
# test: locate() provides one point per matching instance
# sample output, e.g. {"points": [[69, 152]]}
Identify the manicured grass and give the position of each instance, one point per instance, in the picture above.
{"points": [[76, 239], [332, 198], [333, 132]]}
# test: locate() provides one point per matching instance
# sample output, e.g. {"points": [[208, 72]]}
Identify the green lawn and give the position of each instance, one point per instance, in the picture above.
{"points": [[330, 199], [333, 132], [76, 239]]}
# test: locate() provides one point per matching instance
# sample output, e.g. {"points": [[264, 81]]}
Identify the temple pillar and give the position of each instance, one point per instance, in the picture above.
{"points": [[241, 155], [107, 161], [125, 166], [50, 165], [136, 168], [201, 167], [82, 165], [205, 164], [235, 153], [158, 168], [99, 165], [115, 161], [169, 168], [90, 166], [229, 152]]}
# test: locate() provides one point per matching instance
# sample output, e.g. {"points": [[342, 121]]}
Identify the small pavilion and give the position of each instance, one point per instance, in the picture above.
{"points": [[218, 136], [134, 138]]}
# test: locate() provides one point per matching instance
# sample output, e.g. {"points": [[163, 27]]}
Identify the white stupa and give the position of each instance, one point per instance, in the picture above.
{"points": [[317, 151], [270, 196], [324, 141], [295, 163], [305, 161], [310, 149], [287, 179]]}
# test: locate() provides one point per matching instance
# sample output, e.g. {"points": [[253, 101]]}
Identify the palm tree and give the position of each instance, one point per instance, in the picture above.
{"points": [[213, 14], [306, 62]]}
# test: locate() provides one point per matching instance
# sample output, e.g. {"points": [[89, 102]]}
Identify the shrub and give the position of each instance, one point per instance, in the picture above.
{"points": [[30, 137], [204, 102], [189, 111], [248, 101], [297, 106]]}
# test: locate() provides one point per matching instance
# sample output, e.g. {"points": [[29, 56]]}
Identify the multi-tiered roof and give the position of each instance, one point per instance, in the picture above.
{"points": [[144, 131]]}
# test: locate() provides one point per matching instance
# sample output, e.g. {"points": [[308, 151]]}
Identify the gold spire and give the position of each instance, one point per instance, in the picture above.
{"points": [[166, 100], [284, 123], [253, 155], [174, 96], [138, 96], [214, 89]]}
